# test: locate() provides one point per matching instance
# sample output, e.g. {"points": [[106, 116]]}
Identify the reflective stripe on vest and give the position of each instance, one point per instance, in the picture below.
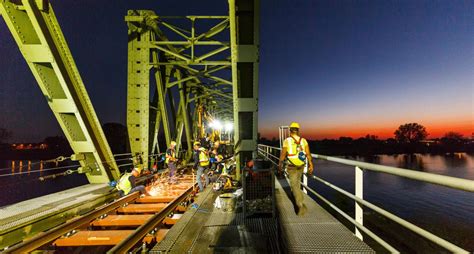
{"points": [[203, 159], [293, 150], [124, 184]]}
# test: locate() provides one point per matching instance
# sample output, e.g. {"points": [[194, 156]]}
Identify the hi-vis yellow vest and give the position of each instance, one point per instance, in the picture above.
{"points": [[124, 184], [294, 148], [203, 158], [173, 155]]}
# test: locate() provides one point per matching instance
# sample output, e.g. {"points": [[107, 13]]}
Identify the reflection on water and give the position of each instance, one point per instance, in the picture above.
{"points": [[19, 180], [441, 210]]}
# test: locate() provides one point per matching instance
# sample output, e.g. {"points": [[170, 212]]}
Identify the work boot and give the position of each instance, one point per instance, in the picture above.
{"points": [[302, 210]]}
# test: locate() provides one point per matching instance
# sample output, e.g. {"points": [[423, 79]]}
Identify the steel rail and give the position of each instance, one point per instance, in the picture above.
{"points": [[48, 236], [128, 243]]}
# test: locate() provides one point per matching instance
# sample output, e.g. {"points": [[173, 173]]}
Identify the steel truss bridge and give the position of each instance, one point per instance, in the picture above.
{"points": [[182, 72]]}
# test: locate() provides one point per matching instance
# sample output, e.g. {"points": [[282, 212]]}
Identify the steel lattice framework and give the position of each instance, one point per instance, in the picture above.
{"points": [[198, 63], [39, 37]]}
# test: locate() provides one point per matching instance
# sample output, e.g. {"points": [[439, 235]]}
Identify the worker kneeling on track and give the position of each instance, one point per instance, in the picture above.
{"points": [[201, 162], [127, 184], [296, 154]]}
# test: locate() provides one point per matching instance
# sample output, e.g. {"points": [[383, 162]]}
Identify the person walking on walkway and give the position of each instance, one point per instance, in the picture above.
{"points": [[201, 162], [296, 154]]}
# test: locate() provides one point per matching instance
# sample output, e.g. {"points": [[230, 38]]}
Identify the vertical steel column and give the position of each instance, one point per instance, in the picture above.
{"points": [[244, 38], [138, 93], [359, 192]]}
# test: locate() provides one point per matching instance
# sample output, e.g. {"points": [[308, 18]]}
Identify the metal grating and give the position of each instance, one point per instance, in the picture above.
{"points": [[259, 191], [219, 232], [190, 235], [317, 231]]}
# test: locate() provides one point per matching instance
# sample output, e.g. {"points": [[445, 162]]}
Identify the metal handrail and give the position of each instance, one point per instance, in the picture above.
{"points": [[345, 215], [452, 182], [448, 181]]}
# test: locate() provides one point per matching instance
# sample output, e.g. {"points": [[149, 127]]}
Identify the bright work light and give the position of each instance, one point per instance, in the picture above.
{"points": [[229, 126]]}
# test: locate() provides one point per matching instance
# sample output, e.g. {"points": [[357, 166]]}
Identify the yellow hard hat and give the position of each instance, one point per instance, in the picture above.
{"points": [[295, 125], [173, 143], [197, 143]]}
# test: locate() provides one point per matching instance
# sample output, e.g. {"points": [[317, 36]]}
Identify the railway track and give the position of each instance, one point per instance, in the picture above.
{"points": [[129, 224]]}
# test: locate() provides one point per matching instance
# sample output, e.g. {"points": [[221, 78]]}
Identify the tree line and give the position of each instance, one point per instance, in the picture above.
{"points": [[408, 138]]}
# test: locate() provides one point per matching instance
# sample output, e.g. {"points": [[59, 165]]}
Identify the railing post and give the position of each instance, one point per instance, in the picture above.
{"points": [[305, 178], [359, 192]]}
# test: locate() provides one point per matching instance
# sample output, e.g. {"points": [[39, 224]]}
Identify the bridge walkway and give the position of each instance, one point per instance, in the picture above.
{"points": [[208, 229]]}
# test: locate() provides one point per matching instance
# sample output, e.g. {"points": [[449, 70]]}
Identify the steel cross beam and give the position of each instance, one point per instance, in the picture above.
{"points": [[171, 62], [39, 37]]}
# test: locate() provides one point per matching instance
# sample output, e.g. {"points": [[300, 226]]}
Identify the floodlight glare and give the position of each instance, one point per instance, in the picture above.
{"points": [[229, 126], [217, 125]]}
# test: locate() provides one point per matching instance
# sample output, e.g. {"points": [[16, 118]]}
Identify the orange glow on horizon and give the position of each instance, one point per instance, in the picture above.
{"points": [[435, 130]]}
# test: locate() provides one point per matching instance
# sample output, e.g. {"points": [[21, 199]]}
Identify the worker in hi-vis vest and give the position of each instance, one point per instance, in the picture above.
{"points": [[201, 162], [171, 161], [296, 153], [126, 184]]}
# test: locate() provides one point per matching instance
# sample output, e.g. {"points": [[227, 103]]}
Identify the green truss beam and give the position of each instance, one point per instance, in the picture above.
{"points": [[39, 37]]}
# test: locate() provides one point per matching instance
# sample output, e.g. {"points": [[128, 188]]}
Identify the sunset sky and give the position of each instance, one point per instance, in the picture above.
{"points": [[340, 68], [351, 68]]}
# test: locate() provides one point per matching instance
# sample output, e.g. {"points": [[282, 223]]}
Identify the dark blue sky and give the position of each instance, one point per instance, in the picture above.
{"points": [[339, 67]]}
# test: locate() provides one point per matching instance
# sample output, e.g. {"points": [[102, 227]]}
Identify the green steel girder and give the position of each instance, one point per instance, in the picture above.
{"points": [[138, 93], [244, 27], [39, 37], [198, 85]]}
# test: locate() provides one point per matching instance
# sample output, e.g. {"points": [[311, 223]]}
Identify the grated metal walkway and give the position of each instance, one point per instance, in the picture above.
{"points": [[315, 232], [209, 230]]}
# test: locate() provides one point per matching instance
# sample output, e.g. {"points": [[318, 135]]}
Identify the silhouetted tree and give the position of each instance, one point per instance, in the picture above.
{"points": [[453, 136], [410, 133], [345, 140], [452, 140], [4, 135], [371, 137]]}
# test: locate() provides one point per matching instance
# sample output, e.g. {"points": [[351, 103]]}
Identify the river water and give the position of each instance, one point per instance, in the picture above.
{"points": [[16, 185], [443, 211]]}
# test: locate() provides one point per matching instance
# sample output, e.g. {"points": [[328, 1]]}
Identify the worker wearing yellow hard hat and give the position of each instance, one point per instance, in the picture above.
{"points": [[171, 161], [295, 125], [127, 183], [201, 163], [296, 154]]}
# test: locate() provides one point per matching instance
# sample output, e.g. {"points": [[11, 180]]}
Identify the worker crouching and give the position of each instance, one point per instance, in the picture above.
{"points": [[127, 184], [296, 154]]}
